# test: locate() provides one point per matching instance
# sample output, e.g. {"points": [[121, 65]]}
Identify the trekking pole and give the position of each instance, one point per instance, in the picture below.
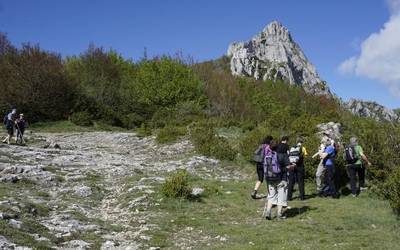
{"points": [[20, 134]]}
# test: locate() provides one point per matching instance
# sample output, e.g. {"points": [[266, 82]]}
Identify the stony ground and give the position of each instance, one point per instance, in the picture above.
{"points": [[91, 190]]}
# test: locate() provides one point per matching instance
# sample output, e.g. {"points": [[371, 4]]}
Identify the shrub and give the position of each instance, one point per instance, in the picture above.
{"points": [[177, 185], [170, 134], [391, 190], [81, 119], [205, 140]]}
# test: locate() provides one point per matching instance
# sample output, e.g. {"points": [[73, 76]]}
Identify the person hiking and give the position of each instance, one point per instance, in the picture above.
{"points": [[259, 160], [328, 157], [355, 165], [320, 173], [276, 177], [296, 156], [9, 124], [20, 125]]}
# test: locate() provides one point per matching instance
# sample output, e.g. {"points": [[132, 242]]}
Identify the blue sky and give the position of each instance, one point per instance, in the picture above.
{"points": [[329, 32]]}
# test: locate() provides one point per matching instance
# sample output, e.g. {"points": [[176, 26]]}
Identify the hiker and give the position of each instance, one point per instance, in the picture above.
{"points": [[320, 173], [9, 124], [296, 156], [355, 165], [283, 149], [259, 159], [276, 177], [20, 125], [328, 157]]}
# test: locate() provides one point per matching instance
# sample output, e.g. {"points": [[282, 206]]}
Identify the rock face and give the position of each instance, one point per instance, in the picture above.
{"points": [[273, 54], [371, 110], [330, 130]]}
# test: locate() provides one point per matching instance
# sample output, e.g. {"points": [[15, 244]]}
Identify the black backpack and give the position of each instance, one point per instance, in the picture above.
{"points": [[5, 120], [350, 155], [258, 156]]}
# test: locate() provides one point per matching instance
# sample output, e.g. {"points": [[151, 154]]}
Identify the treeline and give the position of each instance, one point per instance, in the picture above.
{"points": [[224, 116]]}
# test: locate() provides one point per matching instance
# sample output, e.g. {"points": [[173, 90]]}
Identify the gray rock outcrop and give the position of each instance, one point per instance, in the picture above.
{"points": [[273, 54], [371, 110], [330, 130]]}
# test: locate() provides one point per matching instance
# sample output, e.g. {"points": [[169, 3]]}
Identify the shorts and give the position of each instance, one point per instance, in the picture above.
{"points": [[260, 172], [10, 131], [277, 193]]}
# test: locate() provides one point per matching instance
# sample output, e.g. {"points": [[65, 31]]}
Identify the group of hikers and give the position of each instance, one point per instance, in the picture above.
{"points": [[281, 166], [12, 123]]}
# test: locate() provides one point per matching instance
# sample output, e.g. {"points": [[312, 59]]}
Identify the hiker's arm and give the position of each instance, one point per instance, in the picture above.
{"points": [[323, 155], [364, 157]]}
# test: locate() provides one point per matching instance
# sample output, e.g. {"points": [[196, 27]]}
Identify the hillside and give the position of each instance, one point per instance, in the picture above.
{"points": [[102, 190]]}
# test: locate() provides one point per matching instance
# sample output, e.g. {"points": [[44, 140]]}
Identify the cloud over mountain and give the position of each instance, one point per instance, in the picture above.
{"points": [[379, 58]]}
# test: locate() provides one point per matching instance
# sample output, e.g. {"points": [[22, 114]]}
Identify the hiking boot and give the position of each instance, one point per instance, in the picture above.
{"points": [[254, 194], [363, 189], [268, 216], [354, 195], [281, 217]]}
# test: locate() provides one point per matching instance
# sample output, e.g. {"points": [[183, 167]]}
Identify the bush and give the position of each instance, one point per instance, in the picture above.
{"points": [[205, 140], [177, 185], [391, 190], [81, 119], [170, 134]]}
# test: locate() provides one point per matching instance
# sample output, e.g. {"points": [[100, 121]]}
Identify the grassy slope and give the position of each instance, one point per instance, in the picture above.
{"points": [[317, 223]]}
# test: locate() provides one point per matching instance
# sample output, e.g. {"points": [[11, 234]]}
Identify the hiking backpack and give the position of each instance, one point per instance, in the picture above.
{"points": [[350, 155], [5, 120], [272, 169], [258, 156], [295, 154]]}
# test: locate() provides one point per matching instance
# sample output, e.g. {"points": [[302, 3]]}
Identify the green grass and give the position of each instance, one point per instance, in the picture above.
{"points": [[226, 210], [67, 126]]}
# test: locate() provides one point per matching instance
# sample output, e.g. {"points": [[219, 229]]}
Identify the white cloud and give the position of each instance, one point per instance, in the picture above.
{"points": [[379, 58], [394, 6]]}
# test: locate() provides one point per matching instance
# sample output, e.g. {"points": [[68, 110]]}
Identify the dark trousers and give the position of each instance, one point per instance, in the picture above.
{"points": [[354, 170], [329, 188], [297, 175]]}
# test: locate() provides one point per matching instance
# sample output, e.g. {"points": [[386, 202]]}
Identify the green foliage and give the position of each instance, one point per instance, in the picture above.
{"points": [[34, 81], [170, 134], [391, 189], [177, 185], [207, 142], [81, 119]]}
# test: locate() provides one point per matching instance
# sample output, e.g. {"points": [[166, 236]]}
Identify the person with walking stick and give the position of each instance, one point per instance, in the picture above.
{"points": [[20, 124]]}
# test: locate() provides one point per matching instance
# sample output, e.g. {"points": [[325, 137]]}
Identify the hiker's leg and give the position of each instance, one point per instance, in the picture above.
{"points": [[300, 179], [352, 175], [319, 175], [290, 185], [272, 199], [331, 182], [282, 197], [361, 177]]}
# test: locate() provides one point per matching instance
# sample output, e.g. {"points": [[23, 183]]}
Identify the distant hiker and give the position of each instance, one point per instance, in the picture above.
{"points": [[328, 157], [20, 125], [9, 124], [353, 155], [296, 157], [276, 177], [258, 158], [283, 150], [321, 169]]}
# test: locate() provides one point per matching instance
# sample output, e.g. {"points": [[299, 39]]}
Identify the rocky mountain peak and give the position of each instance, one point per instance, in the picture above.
{"points": [[371, 110], [273, 54], [275, 30]]}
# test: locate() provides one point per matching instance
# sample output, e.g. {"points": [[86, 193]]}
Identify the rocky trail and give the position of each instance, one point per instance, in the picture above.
{"points": [[93, 189]]}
